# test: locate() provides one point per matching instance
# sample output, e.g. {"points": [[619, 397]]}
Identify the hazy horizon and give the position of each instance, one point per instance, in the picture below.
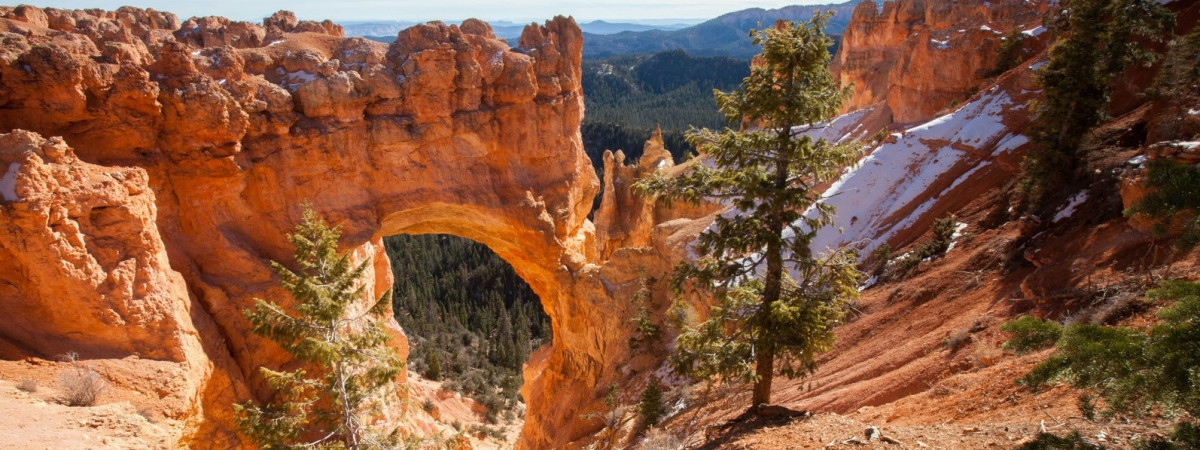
{"points": [[519, 11]]}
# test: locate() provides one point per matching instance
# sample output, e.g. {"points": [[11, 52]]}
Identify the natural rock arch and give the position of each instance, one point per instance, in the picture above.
{"points": [[446, 130]]}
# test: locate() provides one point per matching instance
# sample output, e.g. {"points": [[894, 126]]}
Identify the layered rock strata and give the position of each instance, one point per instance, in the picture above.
{"points": [[922, 56], [196, 143]]}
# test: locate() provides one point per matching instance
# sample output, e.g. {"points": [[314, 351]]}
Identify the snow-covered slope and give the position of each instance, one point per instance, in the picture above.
{"points": [[926, 171]]}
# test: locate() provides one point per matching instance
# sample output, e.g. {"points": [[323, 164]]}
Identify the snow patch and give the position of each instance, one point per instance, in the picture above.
{"points": [[1072, 205], [867, 284], [1009, 143], [838, 130], [1034, 32], [958, 232], [293, 80], [940, 45], [1137, 160], [1184, 144], [897, 176], [1037, 65], [8, 184]]}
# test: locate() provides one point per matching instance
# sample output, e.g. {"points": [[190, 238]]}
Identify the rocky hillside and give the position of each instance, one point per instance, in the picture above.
{"points": [[919, 57], [922, 361], [153, 168]]}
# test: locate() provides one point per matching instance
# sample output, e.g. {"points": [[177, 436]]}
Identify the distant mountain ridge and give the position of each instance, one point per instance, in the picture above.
{"points": [[725, 35], [387, 30]]}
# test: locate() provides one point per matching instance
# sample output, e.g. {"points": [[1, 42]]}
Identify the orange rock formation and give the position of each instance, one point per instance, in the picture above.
{"points": [[197, 145], [149, 170], [921, 56]]}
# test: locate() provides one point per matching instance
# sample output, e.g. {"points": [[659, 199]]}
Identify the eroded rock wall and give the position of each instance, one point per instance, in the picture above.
{"points": [[223, 129], [922, 56]]}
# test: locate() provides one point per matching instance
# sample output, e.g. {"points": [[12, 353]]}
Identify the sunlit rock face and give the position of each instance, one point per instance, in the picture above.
{"points": [[922, 56], [188, 147]]}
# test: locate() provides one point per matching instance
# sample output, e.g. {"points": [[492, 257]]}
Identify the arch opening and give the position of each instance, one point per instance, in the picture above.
{"points": [[534, 255], [472, 323]]}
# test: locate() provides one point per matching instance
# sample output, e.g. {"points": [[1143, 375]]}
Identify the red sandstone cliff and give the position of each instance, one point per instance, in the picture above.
{"points": [[196, 142], [187, 148], [922, 56]]}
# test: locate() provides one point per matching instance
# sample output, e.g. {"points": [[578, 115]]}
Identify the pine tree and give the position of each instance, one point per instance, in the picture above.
{"points": [[347, 364], [777, 301], [645, 331], [650, 406], [1097, 40], [434, 362]]}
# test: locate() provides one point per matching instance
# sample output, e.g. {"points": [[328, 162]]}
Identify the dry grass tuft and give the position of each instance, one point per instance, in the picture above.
{"points": [[28, 385], [81, 386]]}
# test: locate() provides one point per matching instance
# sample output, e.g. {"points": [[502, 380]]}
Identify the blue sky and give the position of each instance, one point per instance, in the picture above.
{"points": [[448, 10]]}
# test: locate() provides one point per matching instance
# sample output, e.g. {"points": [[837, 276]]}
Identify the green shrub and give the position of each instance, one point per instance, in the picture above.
{"points": [[882, 255], [1047, 441], [645, 330], [1010, 53], [650, 407], [1134, 370], [943, 235], [433, 365], [1030, 334], [1186, 436], [1174, 197]]}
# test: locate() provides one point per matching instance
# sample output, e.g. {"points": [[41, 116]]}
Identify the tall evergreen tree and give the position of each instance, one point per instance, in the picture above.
{"points": [[777, 301], [347, 362], [1096, 41]]}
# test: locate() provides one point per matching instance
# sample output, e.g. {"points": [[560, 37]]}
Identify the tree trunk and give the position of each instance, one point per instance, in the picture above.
{"points": [[764, 370]]}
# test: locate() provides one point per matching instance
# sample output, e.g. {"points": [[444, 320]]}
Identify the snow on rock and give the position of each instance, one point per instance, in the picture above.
{"points": [[1071, 206], [8, 184], [293, 80], [1034, 32], [841, 128], [871, 281], [1009, 143], [958, 232], [891, 189]]}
